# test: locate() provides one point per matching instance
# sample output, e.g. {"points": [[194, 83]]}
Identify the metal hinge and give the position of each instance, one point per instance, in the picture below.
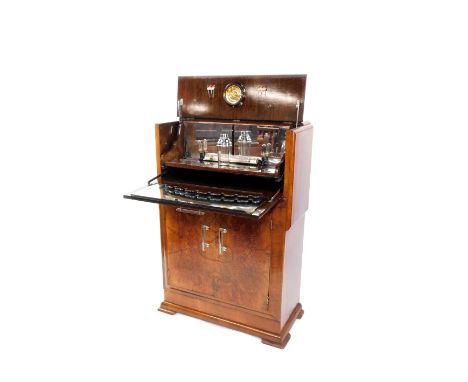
{"points": [[298, 107], [268, 300]]}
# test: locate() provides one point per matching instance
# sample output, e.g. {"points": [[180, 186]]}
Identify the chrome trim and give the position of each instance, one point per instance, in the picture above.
{"points": [[242, 159], [188, 211], [221, 247], [204, 244]]}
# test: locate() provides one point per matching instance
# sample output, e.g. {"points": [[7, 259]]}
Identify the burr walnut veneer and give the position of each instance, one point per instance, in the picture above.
{"points": [[232, 234]]}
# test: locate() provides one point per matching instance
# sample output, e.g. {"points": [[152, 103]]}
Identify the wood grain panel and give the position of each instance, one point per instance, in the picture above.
{"points": [[238, 276], [245, 278], [187, 265], [277, 103], [253, 286], [166, 135]]}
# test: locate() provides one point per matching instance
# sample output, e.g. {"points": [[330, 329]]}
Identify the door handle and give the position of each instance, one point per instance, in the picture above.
{"points": [[204, 244], [221, 247], [188, 211]]}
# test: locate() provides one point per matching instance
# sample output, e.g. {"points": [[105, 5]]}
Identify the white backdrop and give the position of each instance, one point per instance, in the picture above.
{"points": [[385, 255]]}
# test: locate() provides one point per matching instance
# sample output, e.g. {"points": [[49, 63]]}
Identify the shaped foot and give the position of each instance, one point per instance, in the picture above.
{"points": [[280, 345], [163, 309]]}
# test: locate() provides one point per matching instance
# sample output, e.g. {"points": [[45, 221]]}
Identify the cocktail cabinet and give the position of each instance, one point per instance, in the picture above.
{"points": [[232, 187]]}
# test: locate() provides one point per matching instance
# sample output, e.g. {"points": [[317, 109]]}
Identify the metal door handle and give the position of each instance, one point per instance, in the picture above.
{"points": [[204, 245], [221, 247], [187, 211]]}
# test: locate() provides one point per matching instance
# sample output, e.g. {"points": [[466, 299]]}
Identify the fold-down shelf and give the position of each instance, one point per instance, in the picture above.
{"points": [[231, 201]]}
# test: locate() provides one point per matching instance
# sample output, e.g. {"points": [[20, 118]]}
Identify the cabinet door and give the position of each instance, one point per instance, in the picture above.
{"points": [[244, 268], [233, 265], [190, 242]]}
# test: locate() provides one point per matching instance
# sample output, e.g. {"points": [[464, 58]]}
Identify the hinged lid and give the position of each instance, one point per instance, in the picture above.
{"points": [[277, 98]]}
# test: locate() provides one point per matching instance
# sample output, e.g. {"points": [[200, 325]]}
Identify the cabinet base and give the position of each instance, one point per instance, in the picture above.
{"points": [[279, 345], [167, 311], [278, 340]]}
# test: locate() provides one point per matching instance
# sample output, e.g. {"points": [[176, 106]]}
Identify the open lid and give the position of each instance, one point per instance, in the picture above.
{"points": [[278, 98]]}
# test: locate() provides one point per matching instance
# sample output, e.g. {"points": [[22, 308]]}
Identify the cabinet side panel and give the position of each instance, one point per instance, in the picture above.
{"points": [[166, 135], [292, 268], [297, 172], [303, 156], [278, 237]]}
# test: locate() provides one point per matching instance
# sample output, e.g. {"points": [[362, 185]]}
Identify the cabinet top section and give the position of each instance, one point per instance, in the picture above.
{"points": [[278, 98]]}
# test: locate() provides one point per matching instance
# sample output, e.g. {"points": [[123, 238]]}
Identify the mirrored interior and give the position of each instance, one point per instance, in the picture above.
{"points": [[234, 143]]}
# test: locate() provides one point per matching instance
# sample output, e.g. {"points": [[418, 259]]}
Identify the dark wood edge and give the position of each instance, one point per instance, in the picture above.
{"points": [[279, 345], [297, 314], [220, 210], [163, 310], [228, 170], [249, 76], [237, 122], [274, 339]]}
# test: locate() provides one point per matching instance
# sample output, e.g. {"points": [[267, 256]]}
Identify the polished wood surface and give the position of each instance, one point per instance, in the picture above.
{"points": [[296, 195], [166, 135], [254, 285], [276, 339], [237, 275], [297, 171], [268, 98], [169, 143]]}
